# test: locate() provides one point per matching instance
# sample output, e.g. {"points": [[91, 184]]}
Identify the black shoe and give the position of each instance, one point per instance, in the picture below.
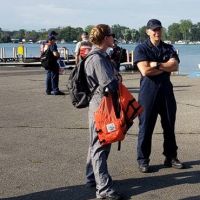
{"points": [[48, 93], [58, 93], [173, 162], [113, 196], [144, 168]]}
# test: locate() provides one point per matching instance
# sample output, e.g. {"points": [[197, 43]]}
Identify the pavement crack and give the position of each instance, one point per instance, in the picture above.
{"points": [[187, 104]]}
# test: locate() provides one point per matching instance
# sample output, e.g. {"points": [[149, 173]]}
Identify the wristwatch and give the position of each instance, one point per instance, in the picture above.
{"points": [[158, 65]]}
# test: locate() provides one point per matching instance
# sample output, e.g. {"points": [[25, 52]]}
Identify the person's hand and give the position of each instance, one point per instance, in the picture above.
{"points": [[153, 64]]}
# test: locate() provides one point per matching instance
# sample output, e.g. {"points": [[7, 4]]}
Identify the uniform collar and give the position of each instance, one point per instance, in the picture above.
{"points": [[149, 43]]}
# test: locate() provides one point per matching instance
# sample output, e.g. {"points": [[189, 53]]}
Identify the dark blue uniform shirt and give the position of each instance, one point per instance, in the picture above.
{"points": [[161, 53]]}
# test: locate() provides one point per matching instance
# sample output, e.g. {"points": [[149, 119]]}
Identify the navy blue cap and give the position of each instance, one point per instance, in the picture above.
{"points": [[51, 38], [153, 24], [84, 33], [53, 33]]}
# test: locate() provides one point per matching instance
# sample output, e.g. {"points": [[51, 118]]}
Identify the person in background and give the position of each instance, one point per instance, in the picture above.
{"points": [[116, 54], [83, 47], [100, 72], [52, 79], [20, 52], [156, 60], [43, 43]]}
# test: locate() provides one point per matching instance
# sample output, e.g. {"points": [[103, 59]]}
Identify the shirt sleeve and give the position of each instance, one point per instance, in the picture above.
{"points": [[139, 55], [77, 47], [100, 70]]}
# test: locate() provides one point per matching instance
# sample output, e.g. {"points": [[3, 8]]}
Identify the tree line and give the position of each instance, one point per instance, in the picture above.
{"points": [[185, 30]]}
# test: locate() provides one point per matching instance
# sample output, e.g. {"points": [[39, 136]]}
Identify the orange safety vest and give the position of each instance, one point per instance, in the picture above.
{"points": [[129, 104], [110, 128]]}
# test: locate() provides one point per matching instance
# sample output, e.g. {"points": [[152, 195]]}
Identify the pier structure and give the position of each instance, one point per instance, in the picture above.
{"points": [[19, 57]]}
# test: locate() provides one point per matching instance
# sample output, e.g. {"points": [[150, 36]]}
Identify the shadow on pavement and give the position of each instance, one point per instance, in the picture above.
{"points": [[133, 187], [128, 187], [77, 192], [192, 198]]}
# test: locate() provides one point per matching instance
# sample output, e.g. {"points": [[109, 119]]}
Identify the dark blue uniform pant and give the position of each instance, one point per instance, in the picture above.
{"points": [[156, 99], [52, 81]]}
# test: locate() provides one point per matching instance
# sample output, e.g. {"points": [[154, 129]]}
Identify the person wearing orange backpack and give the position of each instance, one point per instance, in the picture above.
{"points": [[102, 75]]}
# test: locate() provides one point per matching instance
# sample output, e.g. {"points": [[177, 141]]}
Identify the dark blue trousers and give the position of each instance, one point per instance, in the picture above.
{"points": [[156, 98], [52, 81]]}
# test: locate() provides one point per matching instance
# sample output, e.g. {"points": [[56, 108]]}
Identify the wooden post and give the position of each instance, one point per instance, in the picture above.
{"points": [[132, 58], [127, 54], [14, 52]]}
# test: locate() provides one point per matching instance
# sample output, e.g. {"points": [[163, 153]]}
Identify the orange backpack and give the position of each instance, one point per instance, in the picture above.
{"points": [[129, 105], [110, 128]]}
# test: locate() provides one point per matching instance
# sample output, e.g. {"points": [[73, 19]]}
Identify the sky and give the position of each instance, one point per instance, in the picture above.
{"points": [[46, 14]]}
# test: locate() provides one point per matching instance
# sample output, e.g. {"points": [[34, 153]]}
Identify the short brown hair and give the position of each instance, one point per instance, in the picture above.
{"points": [[98, 33]]}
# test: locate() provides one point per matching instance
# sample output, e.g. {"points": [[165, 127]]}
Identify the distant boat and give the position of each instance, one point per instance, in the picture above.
{"points": [[15, 40], [168, 41], [180, 42], [62, 41]]}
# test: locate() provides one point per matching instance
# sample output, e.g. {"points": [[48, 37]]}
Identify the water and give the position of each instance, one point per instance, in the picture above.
{"points": [[189, 54], [33, 50], [189, 57]]}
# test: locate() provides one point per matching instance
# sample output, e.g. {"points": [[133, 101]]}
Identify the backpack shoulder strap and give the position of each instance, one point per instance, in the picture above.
{"points": [[82, 62], [92, 53], [82, 65]]}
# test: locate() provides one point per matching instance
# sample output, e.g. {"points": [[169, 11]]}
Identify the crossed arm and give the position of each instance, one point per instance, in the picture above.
{"points": [[148, 68]]}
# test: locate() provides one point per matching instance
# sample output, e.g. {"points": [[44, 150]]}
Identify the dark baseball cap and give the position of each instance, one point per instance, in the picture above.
{"points": [[84, 33], [153, 24], [53, 33], [50, 38]]}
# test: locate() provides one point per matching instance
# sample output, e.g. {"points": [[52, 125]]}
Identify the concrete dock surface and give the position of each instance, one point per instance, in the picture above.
{"points": [[44, 142]]}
